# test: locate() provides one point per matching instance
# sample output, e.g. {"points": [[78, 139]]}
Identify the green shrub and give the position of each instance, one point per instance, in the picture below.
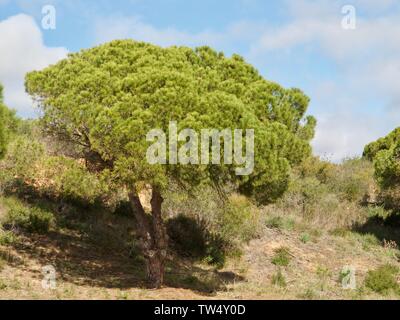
{"points": [[355, 179], [340, 232], [324, 195], [191, 239], [217, 250], [187, 237], [7, 238], [281, 257], [378, 212], [278, 279], [385, 153], [28, 167], [305, 237], [390, 197], [383, 279], [280, 223], [367, 240], [239, 219], [225, 224], [309, 294], [22, 157], [31, 219], [71, 181], [274, 222], [386, 143]]}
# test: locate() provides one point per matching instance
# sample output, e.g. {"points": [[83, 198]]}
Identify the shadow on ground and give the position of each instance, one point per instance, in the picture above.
{"points": [[384, 229], [93, 249]]}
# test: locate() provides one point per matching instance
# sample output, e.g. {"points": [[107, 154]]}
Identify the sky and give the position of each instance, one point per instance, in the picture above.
{"points": [[349, 68]]}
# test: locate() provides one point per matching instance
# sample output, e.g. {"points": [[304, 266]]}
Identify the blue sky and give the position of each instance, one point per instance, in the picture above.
{"points": [[351, 75]]}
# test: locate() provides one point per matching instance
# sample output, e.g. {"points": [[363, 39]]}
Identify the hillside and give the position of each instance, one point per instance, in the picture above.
{"points": [[89, 271], [91, 264]]}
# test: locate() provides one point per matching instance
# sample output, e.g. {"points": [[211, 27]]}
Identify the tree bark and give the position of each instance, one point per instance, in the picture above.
{"points": [[153, 236]]}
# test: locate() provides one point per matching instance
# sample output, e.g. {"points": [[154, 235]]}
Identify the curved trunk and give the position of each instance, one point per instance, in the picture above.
{"points": [[153, 236]]}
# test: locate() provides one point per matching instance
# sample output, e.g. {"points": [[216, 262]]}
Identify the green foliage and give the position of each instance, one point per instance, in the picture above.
{"points": [[10, 124], [281, 257], [280, 223], [305, 238], [71, 181], [187, 236], [217, 226], [383, 279], [217, 250], [387, 166], [28, 165], [385, 153], [382, 144], [309, 294], [323, 195], [107, 99], [7, 237], [22, 157], [190, 238], [30, 218], [368, 240], [239, 219], [351, 180], [340, 232], [278, 279], [3, 124]]}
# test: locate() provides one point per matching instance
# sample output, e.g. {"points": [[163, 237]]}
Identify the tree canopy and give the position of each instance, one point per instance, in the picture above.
{"points": [[107, 99], [385, 143], [385, 153]]}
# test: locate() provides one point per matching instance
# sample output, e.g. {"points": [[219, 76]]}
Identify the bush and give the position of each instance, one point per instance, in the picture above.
{"points": [[187, 237], [31, 219], [7, 238], [239, 219], [28, 168], [324, 195], [355, 180], [385, 153], [20, 163], [69, 180], [281, 257], [191, 239], [305, 238], [383, 279], [223, 225], [278, 279], [280, 223]]}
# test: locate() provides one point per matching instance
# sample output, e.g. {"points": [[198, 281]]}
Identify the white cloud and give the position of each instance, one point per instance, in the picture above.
{"points": [[108, 29], [133, 27], [22, 50]]}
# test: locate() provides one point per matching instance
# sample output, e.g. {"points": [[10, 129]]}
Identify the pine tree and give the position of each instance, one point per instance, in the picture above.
{"points": [[106, 99]]}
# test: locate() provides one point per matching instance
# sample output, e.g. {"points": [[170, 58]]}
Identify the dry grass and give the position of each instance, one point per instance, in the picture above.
{"points": [[88, 269]]}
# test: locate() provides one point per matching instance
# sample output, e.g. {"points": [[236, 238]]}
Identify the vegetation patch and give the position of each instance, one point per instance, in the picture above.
{"points": [[282, 257], [30, 218], [278, 279], [383, 279]]}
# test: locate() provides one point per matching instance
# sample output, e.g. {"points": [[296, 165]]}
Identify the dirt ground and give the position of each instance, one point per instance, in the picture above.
{"points": [[86, 269]]}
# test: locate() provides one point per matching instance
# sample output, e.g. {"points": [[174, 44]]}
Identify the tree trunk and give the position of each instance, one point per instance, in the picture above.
{"points": [[153, 236]]}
